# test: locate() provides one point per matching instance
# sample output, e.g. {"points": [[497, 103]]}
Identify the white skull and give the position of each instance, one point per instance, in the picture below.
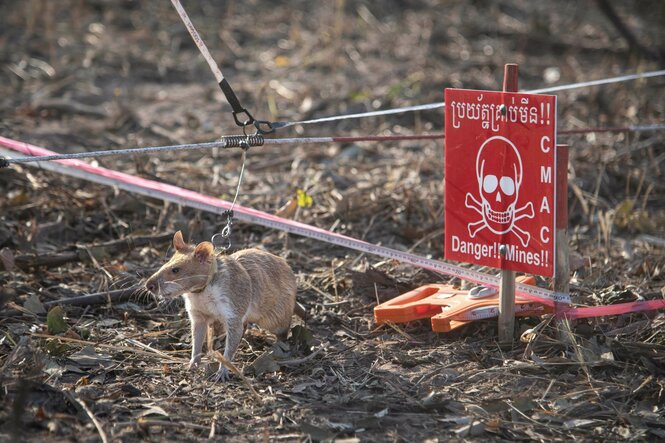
{"points": [[499, 174]]}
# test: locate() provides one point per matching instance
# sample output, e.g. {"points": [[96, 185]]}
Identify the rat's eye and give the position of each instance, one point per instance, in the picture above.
{"points": [[175, 270]]}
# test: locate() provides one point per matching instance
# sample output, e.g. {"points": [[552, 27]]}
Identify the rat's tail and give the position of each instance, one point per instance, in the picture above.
{"points": [[300, 311]]}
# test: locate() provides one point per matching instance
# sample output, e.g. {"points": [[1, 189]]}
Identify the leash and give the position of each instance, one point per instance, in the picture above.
{"points": [[241, 115], [222, 240]]}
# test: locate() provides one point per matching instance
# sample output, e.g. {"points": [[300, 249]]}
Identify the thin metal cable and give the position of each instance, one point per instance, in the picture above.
{"points": [[633, 128], [129, 151], [222, 240], [604, 81], [242, 172], [279, 125], [438, 105], [224, 143]]}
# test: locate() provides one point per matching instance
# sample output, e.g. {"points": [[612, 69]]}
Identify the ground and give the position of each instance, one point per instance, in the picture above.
{"points": [[79, 76]]}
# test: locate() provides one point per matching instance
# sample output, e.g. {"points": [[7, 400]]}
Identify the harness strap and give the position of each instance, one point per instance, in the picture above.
{"points": [[211, 274]]}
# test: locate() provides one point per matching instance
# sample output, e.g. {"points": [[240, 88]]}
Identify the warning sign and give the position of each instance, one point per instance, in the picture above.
{"points": [[500, 179]]}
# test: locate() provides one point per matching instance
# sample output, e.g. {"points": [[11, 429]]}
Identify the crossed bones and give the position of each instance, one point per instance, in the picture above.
{"points": [[525, 211]]}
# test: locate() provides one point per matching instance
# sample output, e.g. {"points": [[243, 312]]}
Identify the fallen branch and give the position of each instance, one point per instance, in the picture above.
{"points": [[118, 295], [86, 253]]}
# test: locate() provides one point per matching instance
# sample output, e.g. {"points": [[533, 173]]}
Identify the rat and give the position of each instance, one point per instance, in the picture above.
{"points": [[248, 286]]}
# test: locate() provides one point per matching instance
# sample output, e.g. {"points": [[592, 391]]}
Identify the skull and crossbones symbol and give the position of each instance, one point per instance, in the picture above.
{"points": [[499, 173]]}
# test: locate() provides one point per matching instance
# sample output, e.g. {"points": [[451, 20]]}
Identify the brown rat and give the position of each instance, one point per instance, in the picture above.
{"points": [[249, 286]]}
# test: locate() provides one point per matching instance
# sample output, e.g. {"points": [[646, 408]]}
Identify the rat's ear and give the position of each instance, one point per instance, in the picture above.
{"points": [[204, 251], [178, 242]]}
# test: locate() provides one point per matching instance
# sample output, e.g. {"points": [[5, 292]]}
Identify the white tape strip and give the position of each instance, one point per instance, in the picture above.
{"points": [[493, 312], [192, 199], [198, 40]]}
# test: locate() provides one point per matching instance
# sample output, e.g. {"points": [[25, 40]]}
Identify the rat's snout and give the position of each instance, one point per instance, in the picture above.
{"points": [[152, 285]]}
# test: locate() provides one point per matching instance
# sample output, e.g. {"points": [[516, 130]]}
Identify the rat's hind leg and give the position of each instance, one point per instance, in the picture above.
{"points": [[282, 334], [282, 331]]}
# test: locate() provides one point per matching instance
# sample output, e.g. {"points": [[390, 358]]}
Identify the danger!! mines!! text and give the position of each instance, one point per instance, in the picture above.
{"points": [[513, 252]]}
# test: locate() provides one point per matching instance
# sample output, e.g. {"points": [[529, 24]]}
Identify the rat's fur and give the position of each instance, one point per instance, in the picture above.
{"points": [[250, 285]]}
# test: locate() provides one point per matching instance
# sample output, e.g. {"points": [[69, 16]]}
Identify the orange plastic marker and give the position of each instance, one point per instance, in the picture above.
{"points": [[450, 308]]}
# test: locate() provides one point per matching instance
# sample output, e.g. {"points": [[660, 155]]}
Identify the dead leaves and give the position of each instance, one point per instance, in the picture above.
{"points": [[283, 354]]}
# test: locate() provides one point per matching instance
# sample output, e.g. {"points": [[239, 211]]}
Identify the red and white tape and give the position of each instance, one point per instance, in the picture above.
{"points": [[185, 197]]}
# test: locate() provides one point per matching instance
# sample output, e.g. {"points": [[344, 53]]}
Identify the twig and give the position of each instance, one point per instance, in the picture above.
{"points": [[87, 410], [144, 346], [213, 426], [403, 333], [646, 381], [299, 361], [145, 422], [230, 366], [547, 391], [154, 353], [546, 425], [318, 291]]}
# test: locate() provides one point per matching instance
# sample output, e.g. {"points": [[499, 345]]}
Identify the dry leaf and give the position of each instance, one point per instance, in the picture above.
{"points": [[288, 210], [7, 259], [34, 305]]}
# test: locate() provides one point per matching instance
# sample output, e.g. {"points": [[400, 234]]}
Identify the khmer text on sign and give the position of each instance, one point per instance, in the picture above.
{"points": [[500, 179]]}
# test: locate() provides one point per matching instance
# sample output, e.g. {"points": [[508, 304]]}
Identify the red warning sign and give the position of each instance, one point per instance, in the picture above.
{"points": [[500, 179]]}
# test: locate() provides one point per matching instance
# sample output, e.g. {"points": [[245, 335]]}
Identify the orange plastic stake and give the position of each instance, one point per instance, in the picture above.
{"points": [[450, 308]]}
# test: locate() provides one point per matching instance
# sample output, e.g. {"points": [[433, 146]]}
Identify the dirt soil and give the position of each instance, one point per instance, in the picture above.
{"points": [[87, 75]]}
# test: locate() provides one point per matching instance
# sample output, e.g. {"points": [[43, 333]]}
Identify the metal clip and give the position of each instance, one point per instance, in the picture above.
{"points": [[225, 235], [260, 124], [244, 123]]}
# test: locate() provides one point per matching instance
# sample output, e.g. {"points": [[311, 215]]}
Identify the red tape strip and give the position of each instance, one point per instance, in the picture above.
{"points": [[618, 309]]}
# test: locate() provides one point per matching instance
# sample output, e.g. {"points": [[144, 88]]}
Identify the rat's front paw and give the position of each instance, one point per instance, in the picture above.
{"points": [[222, 375], [194, 363]]}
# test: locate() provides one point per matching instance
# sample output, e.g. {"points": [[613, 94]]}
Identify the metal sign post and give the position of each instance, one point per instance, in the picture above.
{"points": [[561, 281], [507, 289]]}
